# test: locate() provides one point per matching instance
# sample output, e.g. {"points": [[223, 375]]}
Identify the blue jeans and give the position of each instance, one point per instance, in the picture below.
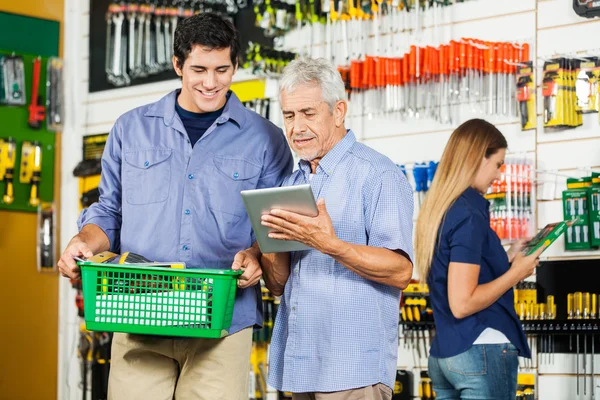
{"points": [[485, 372]]}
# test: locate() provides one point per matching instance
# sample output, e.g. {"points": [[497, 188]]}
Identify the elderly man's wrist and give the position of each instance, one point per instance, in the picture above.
{"points": [[333, 247]]}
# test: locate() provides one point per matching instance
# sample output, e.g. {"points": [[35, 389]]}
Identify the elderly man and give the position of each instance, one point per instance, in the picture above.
{"points": [[336, 331]]}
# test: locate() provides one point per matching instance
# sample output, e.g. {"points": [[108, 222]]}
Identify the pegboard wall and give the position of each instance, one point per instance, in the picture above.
{"points": [[549, 26]]}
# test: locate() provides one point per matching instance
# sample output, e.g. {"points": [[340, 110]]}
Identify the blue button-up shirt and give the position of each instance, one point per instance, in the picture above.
{"points": [[168, 202], [466, 237], [334, 329]]}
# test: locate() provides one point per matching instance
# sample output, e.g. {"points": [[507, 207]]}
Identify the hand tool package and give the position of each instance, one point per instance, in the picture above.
{"points": [[511, 201], [12, 80], [526, 96], [558, 89]]}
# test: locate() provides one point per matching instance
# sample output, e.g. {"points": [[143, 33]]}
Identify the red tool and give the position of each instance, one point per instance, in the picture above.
{"points": [[37, 112]]}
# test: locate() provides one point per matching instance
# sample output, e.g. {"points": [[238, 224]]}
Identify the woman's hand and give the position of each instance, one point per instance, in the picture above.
{"points": [[516, 248], [524, 266]]}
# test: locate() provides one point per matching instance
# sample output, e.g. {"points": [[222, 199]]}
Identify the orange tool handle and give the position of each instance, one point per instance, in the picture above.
{"points": [[524, 53], [412, 62]]}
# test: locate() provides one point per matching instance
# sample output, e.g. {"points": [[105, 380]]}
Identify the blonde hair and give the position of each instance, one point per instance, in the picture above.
{"points": [[460, 162]]}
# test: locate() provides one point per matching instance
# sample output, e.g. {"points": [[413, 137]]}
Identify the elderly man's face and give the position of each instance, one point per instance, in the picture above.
{"points": [[309, 124]]}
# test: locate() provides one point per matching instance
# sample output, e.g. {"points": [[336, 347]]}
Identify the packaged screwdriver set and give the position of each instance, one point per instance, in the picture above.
{"points": [[558, 90], [594, 210], [586, 85], [510, 201], [526, 96], [54, 95], [12, 81], [575, 208]]}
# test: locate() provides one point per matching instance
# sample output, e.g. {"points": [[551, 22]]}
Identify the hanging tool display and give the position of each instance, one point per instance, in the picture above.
{"points": [[403, 385], [423, 174], [587, 74], [576, 203], [265, 61], [510, 200], [586, 8], [37, 111], [54, 95], [558, 89], [584, 306], [416, 320], [528, 309], [140, 34], [437, 83], [12, 80], [525, 387], [8, 156], [260, 106], [30, 171], [526, 96], [426, 387], [46, 237]]}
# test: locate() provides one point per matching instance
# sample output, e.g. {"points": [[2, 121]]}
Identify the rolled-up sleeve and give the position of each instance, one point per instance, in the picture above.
{"points": [[106, 213], [389, 212], [466, 240]]}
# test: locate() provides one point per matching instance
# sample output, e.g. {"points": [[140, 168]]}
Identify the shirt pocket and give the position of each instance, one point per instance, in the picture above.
{"points": [[233, 175], [147, 175]]}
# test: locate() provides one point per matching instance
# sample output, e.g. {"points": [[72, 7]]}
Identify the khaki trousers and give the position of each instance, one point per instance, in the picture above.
{"points": [[151, 368], [375, 392]]}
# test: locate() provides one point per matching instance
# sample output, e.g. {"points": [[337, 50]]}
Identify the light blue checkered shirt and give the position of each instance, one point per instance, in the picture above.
{"points": [[335, 330]]}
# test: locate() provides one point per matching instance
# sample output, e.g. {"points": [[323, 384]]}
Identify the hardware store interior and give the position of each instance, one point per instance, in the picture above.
{"points": [[174, 224]]}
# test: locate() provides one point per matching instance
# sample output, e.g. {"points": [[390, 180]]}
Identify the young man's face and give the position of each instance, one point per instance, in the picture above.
{"points": [[206, 78]]}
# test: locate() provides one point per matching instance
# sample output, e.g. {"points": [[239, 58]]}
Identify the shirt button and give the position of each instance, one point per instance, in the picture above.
{"points": [[293, 308], [236, 175], [185, 247], [146, 164], [187, 212], [191, 176]]}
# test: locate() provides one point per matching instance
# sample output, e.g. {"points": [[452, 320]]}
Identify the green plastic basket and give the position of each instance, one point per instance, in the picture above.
{"points": [[157, 300]]}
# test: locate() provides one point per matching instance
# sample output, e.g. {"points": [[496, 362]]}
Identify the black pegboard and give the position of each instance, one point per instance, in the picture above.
{"points": [[243, 20]]}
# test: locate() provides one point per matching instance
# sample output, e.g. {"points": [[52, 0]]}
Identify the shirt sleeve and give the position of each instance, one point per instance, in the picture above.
{"points": [[466, 240], [389, 213], [106, 213]]}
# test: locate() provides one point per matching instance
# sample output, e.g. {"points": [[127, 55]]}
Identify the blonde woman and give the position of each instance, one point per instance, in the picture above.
{"points": [[474, 354]]}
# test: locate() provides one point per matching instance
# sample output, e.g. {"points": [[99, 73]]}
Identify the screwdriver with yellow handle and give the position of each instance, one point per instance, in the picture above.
{"points": [[578, 300], [34, 198], [10, 152]]}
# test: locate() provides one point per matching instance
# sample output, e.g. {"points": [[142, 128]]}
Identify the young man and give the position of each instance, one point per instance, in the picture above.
{"points": [[336, 331], [172, 172]]}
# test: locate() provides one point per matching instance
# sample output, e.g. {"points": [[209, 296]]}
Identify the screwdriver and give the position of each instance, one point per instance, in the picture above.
{"points": [[578, 298]]}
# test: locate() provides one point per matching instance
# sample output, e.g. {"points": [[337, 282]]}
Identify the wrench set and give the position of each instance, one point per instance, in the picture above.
{"points": [[140, 34]]}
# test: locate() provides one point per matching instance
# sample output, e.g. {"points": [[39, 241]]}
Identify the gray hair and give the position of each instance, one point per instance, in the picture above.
{"points": [[320, 72]]}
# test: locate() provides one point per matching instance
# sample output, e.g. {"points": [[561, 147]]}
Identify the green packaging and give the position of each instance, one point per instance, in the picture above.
{"points": [[575, 208], [594, 210]]}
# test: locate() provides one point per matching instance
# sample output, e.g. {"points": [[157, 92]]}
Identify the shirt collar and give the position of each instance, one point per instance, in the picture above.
{"points": [[165, 108], [333, 157], [477, 200]]}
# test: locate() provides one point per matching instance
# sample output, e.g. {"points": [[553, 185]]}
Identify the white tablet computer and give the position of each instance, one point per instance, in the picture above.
{"points": [[298, 199]]}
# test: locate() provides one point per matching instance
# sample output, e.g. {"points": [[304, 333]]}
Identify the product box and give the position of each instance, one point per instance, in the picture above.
{"points": [[594, 210], [575, 207]]}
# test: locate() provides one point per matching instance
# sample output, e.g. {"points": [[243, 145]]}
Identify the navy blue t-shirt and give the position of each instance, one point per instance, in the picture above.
{"points": [[466, 237], [196, 124]]}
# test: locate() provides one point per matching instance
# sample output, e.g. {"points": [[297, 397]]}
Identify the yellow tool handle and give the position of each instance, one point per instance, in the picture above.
{"points": [[541, 311], [34, 199], [550, 307], [416, 313], [594, 311], [409, 314], [403, 311], [586, 305], [578, 305], [570, 311]]}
